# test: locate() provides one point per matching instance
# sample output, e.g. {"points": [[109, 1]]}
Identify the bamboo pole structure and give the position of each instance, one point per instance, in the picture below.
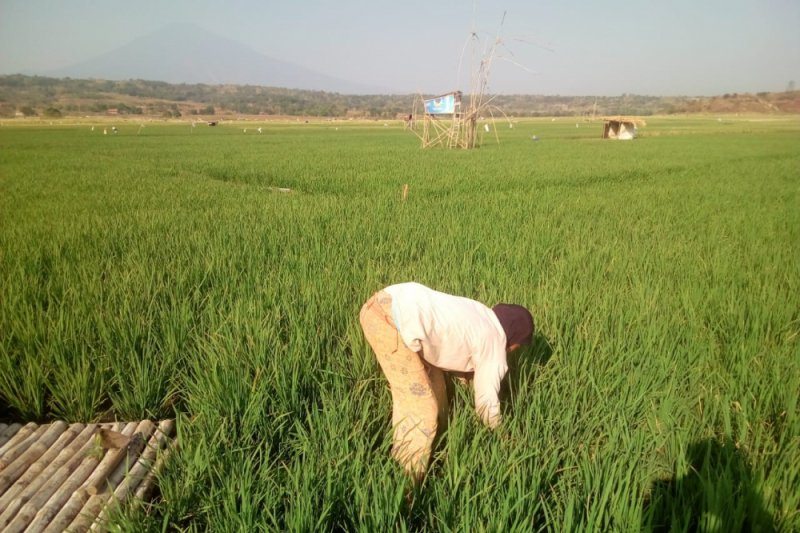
{"points": [[18, 437], [56, 477], [97, 481], [69, 496], [129, 456], [15, 468], [10, 455], [70, 490], [140, 471], [28, 503], [145, 488], [36, 468], [7, 432]]}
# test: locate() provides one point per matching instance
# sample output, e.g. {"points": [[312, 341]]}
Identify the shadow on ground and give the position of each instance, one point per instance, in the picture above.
{"points": [[718, 494]]}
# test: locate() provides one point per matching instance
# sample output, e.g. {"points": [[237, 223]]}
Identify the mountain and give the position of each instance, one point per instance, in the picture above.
{"points": [[184, 53]]}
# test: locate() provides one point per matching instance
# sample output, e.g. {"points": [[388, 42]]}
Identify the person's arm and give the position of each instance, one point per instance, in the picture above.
{"points": [[487, 388]]}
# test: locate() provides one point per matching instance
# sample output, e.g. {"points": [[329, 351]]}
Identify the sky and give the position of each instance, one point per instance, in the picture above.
{"points": [[567, 47]]}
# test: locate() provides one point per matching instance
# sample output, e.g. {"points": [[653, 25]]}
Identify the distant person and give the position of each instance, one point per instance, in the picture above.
{"points": [[417, 333]]}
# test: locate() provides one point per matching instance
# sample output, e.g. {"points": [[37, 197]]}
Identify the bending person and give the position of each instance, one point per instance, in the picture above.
{"points": [[417, 333]]}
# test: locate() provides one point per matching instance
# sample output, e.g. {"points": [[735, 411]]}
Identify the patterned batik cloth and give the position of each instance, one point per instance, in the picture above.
{"points": [[419, 394]]}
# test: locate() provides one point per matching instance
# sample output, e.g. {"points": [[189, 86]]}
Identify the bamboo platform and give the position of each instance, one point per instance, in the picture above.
{"points": [[64, 477]]}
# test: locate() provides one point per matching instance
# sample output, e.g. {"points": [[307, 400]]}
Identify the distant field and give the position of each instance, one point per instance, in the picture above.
{"points": [[160, 272]]}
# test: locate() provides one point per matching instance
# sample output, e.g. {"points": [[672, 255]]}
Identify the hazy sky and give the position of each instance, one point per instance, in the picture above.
{"points": [[568, 47]]}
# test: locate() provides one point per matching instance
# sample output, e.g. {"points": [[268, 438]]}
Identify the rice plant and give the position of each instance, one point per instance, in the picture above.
{"points": [[166, 274]]}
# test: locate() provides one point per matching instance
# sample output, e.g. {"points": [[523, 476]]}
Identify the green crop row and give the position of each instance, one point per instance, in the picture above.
{"points": [[164, 271]]}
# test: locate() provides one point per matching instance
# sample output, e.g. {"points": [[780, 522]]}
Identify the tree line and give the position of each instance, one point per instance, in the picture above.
{"points": [[44, 96]]}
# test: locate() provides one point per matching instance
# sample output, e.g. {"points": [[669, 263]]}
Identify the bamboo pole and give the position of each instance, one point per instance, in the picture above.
{"points": [[21, 447], [98, 482], [18, 437], [135, 475], [144, 490], [56, 516], [3, 428], [8, 432], [82, 508], [17, 467], [146, 461], [55, 520], [66, 503], [43, 466], [37, 493], [40, 465], [88, 514], [129, 456]]}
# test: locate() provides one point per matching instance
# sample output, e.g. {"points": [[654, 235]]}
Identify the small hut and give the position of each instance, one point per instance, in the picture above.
{"points": [[621, 128]]}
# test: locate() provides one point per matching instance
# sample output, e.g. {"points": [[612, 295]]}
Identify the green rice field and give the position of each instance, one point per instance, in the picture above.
{"points": [[162, 272]]}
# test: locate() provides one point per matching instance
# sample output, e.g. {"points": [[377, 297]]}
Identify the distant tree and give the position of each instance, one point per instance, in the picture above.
{"points": [[52, 112], [28, 111]]}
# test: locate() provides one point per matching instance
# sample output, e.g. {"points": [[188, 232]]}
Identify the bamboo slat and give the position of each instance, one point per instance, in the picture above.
{"points": [[127, 459], [132, 452], [12, 432], [19, 445], [97, 480], [69, 488], [40, 465], [91, 471], [19, 465], [13, 500], [143, 491], [10, 429], [7, 433], [36, 500], [147, 460], [88, 514], [17, 436], [58, 476], [140, 469]]}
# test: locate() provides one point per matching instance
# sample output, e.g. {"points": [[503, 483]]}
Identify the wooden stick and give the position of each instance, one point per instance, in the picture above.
{"points": [[18, 437], [16, 468], [37, 494], [43, 462], [145, 488]]}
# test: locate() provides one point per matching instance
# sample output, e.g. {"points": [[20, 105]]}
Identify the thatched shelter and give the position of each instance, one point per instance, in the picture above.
{"points": [[621, 128]]}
